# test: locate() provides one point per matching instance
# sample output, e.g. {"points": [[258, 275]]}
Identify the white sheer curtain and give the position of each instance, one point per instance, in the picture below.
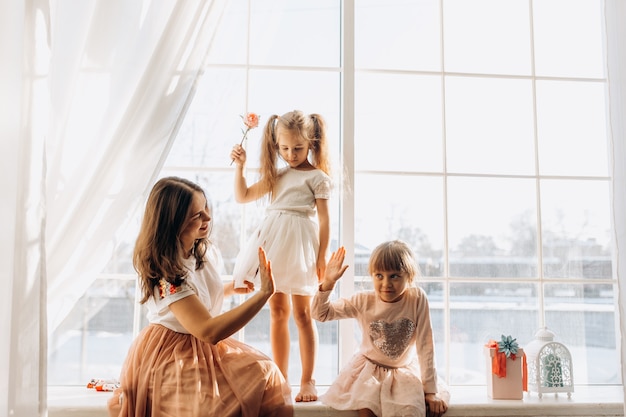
{"points": [[615, 12], [93, 93], [22, 259], [121, 77]]}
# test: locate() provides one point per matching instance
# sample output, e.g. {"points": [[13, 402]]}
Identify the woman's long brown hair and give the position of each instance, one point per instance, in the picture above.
{"points": [[158, 250]]}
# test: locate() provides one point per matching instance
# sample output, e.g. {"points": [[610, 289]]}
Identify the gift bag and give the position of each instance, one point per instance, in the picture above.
{"points": [[505, 375]]}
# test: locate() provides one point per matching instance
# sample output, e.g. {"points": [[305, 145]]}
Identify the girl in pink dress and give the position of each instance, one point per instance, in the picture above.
{"points": [[293, 238], [184, 363], [393, 374]]}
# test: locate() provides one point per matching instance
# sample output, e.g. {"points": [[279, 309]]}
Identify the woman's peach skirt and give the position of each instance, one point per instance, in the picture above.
{"points": [[173, 374]]}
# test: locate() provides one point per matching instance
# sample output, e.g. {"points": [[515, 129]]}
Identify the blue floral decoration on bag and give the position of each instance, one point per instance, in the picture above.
{"points": [[508, 346]]}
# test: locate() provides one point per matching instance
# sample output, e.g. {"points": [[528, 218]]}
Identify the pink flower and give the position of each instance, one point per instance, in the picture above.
{"points": [[251, 120]]}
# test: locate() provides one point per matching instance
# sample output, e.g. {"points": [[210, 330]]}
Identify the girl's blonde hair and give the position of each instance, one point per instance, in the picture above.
{"points": [[312, 128], [158, 250], [394, 255]]}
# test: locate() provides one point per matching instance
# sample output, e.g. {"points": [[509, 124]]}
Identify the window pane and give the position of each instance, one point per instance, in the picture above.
{"points": [[571, 128], [397, 34], [576, 227], [487, 36], [94, 338], [213, 123], [489, 126], [400, 207], [568, 38], [278, 92], [435, 292], [295, 32], [583, 318], [398, 123], [492, 228], [231, 36], [483, 312]]}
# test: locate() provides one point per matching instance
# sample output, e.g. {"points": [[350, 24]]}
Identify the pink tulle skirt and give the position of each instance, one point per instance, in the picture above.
{"points": [[387, 392], [173, 374]]}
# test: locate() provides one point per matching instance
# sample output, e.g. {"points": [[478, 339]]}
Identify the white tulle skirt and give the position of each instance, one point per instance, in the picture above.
{"points": [[291, 243]]}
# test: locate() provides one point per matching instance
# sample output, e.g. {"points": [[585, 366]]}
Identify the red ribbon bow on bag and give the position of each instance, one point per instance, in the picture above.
{"points": [[498, 361]]}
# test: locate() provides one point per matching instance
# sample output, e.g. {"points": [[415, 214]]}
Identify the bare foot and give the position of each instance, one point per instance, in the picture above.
{"points": [[308, 392]]}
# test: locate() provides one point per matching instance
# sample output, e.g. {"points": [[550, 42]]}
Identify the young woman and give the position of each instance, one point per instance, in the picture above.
{"points": [[184, 363]]}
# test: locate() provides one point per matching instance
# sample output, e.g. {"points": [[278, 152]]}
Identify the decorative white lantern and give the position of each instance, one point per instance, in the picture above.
{"points": [[549, 365]]}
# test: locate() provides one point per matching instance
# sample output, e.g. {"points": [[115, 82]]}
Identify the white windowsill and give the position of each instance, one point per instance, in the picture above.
{"points": [[601, 401]]}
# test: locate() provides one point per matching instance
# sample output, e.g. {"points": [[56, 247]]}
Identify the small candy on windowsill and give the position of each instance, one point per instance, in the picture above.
{"points": [[103, 384]]}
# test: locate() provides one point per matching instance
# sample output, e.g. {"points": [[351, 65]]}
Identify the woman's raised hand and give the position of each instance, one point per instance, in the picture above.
{"points": [[265, 272]]}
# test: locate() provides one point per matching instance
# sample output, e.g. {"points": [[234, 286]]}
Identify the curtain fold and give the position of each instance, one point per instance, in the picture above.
{"points": [[118, 101], [615, 15], [22, 264], [93, 94]]}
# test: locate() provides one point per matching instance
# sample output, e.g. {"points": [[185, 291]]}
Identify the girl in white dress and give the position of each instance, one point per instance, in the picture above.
{"points": [[393, 374], [293, 239]]}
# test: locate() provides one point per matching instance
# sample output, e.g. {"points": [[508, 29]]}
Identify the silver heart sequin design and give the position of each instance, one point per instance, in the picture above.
{"points": [[392, 338]]}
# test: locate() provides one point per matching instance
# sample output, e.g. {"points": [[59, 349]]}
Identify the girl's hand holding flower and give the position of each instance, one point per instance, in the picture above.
{"points": [[238, 154], [250, 120]]}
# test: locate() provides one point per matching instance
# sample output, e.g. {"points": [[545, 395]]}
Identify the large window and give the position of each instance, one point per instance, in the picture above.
{"points": [[475, 130]]}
